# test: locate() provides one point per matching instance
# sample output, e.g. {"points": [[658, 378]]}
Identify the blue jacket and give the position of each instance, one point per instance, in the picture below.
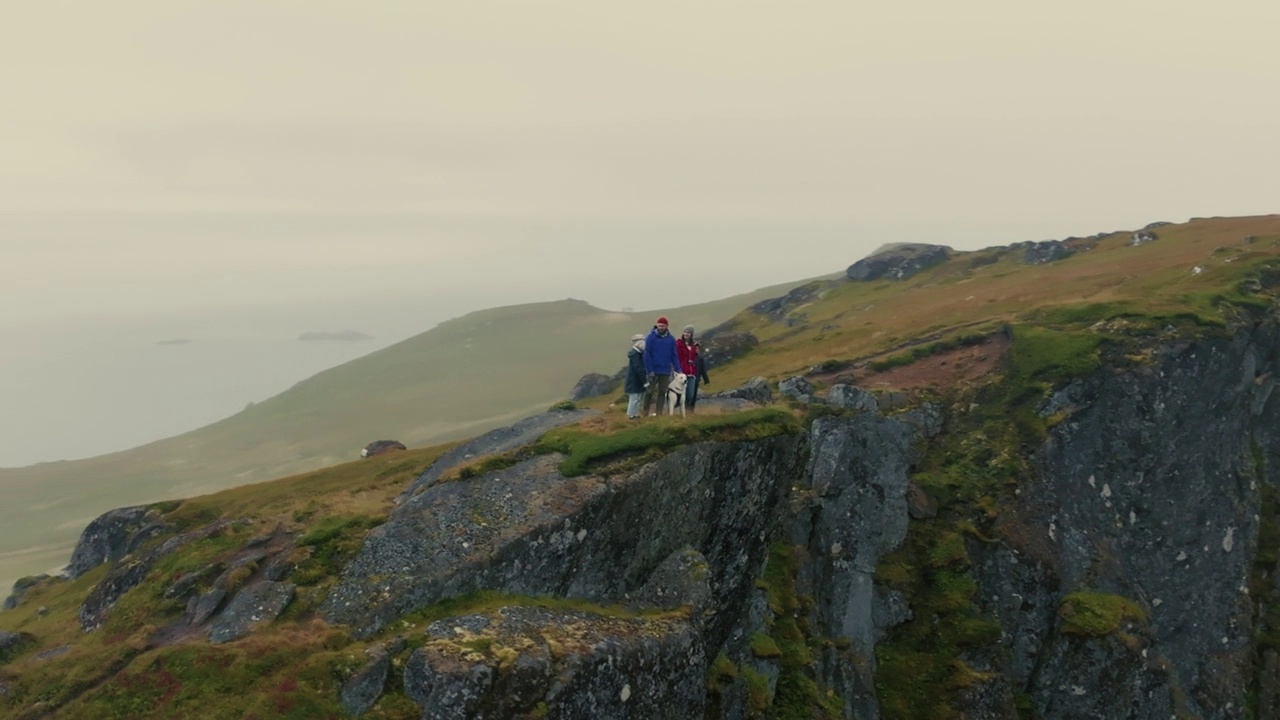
{"points": [[660, 356]]}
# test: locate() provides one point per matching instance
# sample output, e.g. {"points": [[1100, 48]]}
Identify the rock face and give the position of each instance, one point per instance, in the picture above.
{"points": [[538, 533], [13, 643], [20, 589], [592, 385], [492, 443], [899, 262], [380, 447], [111, 536], [851, 397]]}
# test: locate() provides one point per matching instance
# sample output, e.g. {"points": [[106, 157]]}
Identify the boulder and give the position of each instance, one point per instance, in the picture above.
{"points": [[592, 385], [259, 603], [780, 307], [113, 535], [796, 388], [756, 390], [898, 262], [200, 609], [1142, 237], [380, 447]]}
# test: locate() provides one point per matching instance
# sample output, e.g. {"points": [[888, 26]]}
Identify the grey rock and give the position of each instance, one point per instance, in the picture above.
{"points": [[493, 442], [111, 536], [381, 447], [920, 505], [890, 401], [1142, 237], [283, 563], [365, 686], [795, 388], [200, 609], [889, 609], [850, 397], [725, 404], [899, 262], [1039, 253], [779, 307], [592, 385], [756, 390], [926, 420], [259, 603], [184, 585]]}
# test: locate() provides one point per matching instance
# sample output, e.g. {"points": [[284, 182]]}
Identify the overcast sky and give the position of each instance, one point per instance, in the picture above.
{"points": [[312, 134], [427, 158]]}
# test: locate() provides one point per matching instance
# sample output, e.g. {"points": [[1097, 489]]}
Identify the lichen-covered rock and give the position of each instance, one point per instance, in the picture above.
{"points": [[111, 536], [529, 530], [756, 390], [795, 388], [365, 686], [560, 664], [926, 420], [492, 443], [592, 385], [899, 262], [259, 603], [851, 397], [201, 608]]}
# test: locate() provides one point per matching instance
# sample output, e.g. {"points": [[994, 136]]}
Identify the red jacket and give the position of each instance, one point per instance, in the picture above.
{"points": [[688, 355]]}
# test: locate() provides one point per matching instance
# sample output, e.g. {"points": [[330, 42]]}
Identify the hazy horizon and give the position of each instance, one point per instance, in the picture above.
{"points": [[242, 172]]}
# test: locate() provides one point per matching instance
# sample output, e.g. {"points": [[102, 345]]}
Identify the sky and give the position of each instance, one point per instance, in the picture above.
{"points": [[260, 168]]}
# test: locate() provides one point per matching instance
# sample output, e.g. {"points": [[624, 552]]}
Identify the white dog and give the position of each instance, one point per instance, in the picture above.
{"points": [[675, 393]]}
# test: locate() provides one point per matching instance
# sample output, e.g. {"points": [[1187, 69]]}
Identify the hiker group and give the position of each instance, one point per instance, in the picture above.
{"points": [[659, 362]]}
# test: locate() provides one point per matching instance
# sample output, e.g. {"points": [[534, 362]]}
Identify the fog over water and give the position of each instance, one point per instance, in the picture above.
{"points": [[234, 174]]}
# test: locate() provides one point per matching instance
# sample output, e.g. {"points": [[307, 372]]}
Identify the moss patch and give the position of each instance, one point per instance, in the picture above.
{"points": [[1096, 614]]}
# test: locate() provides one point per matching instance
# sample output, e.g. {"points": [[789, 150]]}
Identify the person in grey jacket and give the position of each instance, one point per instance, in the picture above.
{"points": [[636, 376]]}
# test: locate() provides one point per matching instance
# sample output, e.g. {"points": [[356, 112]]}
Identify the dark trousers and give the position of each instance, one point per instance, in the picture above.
{"points": [[657, 390], [690, 392]]}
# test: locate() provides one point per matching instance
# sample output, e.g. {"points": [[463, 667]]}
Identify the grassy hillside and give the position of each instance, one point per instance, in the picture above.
{"points": [[1197, 277], [458, 379]]}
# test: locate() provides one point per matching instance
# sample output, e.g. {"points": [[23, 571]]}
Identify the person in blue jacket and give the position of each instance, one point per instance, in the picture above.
{"points": [[660, 361]]}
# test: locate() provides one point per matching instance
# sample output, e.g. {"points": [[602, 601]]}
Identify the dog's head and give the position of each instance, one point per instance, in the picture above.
{"points": [[677, 384]]}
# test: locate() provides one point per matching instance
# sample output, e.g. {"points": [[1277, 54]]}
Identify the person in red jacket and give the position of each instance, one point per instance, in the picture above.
{"points": [[687, 351]]}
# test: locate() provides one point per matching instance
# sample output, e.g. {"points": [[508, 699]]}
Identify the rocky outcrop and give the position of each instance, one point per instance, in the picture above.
{"points": [[492, 443], [779, 308], [113, 535], [381, 447], [1039, 253], [899, 262], [129, 573], [539, 533], [592, 385], [261, 602], [756, 390], [21, 588], [364, 687], [561, 664]]}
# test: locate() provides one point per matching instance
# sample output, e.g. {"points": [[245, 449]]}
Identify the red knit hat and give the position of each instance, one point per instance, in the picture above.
{"points": [[662, 321]]}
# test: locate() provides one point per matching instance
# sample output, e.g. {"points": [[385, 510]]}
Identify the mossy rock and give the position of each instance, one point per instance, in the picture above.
{"points": [[1094, 614]]}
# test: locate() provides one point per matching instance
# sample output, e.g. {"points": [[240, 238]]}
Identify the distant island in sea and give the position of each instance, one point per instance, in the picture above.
{"points": [[343, 336]]}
